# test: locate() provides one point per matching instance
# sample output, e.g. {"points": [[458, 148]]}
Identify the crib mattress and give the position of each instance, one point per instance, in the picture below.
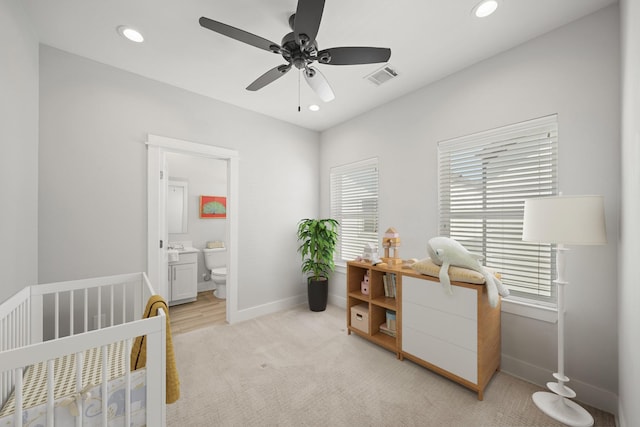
{"points": [[35, 388]]}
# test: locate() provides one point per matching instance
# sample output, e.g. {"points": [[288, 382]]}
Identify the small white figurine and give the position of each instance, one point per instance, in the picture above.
{"points": [[370, 253]]}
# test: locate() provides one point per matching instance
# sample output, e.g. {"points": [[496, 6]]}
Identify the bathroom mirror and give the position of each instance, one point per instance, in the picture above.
{"points": [[177, 196]]}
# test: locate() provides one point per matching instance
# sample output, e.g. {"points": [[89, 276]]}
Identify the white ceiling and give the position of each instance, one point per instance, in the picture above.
{"points": [[429, 39]]}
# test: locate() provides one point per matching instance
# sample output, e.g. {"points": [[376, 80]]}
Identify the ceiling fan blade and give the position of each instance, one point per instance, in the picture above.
{"points": [[240, 35], [353, 55], [269, 77], [319, 84], [307, 21]]}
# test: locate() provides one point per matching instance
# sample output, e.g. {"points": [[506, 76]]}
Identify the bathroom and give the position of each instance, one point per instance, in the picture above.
{"points": [[194, 233]]}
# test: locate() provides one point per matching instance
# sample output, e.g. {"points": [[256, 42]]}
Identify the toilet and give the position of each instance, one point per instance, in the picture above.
{"points": [[214, 261]]}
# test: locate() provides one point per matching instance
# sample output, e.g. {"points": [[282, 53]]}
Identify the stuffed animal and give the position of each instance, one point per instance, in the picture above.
{"points": [[445, 252]]}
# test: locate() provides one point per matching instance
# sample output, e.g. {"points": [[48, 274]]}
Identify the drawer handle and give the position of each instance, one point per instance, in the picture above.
{"points": [[359, 316]]}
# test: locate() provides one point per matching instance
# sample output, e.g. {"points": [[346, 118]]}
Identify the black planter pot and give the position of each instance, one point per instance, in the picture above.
{"points": [[317, 293]]}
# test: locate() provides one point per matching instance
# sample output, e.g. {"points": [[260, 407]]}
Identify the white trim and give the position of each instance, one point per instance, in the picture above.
{"points": [[589, 394], [620, 420], [338, 301], [180, 146], [157, 147], [269, 308], [527, 309], [348, 167], [156, 162], [503, 132]]}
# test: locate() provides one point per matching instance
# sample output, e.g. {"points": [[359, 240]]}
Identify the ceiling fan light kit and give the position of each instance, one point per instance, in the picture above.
{"points": [[300, 50], [319, 84]]}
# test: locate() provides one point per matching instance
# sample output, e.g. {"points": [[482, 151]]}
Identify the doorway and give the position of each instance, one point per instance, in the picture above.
{"points": [[157, 260], [205, 311]]}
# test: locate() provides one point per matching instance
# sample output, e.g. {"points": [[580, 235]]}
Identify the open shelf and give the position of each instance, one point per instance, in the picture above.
{"points": [[385, 341], [377, 303], [359, 296], [385, 302]]}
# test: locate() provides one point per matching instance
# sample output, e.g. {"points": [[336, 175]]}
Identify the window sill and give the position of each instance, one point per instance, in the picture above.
{"points": [[532, 311]]}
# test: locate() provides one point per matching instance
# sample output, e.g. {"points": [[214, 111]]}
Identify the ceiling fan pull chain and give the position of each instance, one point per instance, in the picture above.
{"points": [[299, 90]]}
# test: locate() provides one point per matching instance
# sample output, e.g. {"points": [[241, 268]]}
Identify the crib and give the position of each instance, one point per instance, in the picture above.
{"points": [[65, 355]]}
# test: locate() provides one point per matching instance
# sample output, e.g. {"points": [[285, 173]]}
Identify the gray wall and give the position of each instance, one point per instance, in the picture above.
{"points": [[629, 291], [19, 146], [574, 72], [94, 120]]}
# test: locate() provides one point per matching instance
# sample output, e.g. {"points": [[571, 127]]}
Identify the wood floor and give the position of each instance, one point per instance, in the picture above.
{"points": [[206, 310]]}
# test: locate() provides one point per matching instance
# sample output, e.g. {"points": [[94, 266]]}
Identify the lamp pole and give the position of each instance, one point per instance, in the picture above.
{"points": [[557, 404]]}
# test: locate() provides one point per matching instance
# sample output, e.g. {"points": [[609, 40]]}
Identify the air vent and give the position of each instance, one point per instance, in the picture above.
{"points": [[382, 75]]}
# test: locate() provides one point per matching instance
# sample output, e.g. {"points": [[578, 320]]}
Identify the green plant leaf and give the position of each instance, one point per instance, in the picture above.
{"points": [[318, 238]]}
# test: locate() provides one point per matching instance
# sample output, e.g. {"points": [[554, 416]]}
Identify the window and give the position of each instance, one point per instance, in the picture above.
{"points": [[354, 204], [483, 181]]}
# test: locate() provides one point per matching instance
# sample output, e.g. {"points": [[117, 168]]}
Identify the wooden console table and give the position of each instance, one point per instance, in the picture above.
{"points": [[456, 336]]}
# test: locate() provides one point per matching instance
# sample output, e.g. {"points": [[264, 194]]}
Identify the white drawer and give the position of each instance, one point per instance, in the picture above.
{"points": [[446, 327], [457, 360], [463, 302]]}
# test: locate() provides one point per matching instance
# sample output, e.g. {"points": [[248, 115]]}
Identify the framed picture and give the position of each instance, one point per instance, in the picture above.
{"points": [[213, 207]]}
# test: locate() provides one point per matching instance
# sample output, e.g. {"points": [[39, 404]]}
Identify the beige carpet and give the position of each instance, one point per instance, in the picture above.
{"points": [[300, 368]]}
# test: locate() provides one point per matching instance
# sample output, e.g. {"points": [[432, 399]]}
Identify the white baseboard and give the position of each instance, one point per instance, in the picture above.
{"points": [[205, 286], [338, 301], [620, 420], [284, 304], [269, 308], [587, 393]]}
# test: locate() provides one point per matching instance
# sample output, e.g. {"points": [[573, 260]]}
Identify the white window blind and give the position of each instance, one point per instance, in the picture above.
{"points": [[354, 204], [483, 181]]}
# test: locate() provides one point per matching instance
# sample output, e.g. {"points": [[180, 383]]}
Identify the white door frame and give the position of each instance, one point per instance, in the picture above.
{"points": [[157, 147]]}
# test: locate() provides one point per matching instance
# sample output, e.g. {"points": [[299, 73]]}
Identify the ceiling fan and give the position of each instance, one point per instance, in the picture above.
{"points": [[299, 49]]}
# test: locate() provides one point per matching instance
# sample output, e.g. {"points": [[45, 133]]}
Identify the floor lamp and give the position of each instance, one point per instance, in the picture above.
{"points": [[563, 220]]}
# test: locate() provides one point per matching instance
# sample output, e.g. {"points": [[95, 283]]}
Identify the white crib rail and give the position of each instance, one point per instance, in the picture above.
{"points": [[124, 293], [15, 332], [101, 297]]}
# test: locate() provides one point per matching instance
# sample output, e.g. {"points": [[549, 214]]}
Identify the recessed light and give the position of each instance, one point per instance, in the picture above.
{"points": [[314, 107], [485, 8], [130, 34]]}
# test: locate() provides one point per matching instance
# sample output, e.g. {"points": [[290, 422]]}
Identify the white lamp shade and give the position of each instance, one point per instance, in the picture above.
{"points": [[570, 220]]}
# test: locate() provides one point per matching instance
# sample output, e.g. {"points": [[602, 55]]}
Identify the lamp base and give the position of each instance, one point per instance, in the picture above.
{"points": [[564, 410]]}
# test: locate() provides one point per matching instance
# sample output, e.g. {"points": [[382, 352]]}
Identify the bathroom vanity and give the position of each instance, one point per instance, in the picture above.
{"points": [[183, 277]]}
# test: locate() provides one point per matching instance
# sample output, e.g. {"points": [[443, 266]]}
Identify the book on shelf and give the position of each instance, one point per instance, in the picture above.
{"points": [[385, 282], [387, 331], [389, 282], [393, 286], [391, 319]]}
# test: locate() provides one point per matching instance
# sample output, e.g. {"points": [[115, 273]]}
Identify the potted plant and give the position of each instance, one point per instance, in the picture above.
{"points": [[318, 239]]}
